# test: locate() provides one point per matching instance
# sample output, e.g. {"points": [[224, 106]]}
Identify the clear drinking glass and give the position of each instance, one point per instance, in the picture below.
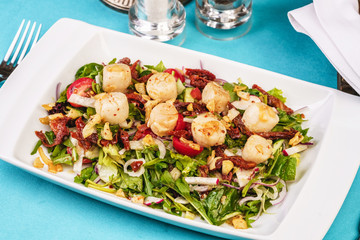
{"points": [[161, 20], [223, 19]]}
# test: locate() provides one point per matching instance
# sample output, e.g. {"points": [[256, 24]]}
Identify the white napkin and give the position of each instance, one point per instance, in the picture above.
{"points": [[334, 25]]}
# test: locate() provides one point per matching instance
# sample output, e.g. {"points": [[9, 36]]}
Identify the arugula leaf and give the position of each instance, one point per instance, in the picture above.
{"points": [[148, 185], [112, 61], [182, 188], [90, 70], [86, 173], [38, 144], [233, 143]]}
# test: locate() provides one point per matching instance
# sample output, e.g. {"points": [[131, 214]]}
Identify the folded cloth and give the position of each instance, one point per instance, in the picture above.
{"points": [[335, 28]]}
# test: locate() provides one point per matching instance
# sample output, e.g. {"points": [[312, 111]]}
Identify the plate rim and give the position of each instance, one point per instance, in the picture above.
{"points": [[339, 97]]}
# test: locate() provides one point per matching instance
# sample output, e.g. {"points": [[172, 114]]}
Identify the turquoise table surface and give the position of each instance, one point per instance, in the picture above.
{"points": [[32, 208]]}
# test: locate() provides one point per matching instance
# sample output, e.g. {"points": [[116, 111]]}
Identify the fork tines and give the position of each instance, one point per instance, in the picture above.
{"points": [[5, 67]]}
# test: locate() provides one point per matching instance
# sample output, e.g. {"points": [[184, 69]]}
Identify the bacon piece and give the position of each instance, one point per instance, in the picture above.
{"points": [[204, 170], [268, 135], [85, 143], [219, 150], [237, 161], [124, 136], [234, 133], [125, 60], [135, 74], [181, 133], [274, 101], [106, 143], [199, 77], [240, 124], [227, 177], [58, 126], [137, 99], [180, 106], [198, 108], [278, 135], [142, 131]]}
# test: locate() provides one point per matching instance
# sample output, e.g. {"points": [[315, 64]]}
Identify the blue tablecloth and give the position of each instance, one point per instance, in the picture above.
{"points": [[32, 208]]}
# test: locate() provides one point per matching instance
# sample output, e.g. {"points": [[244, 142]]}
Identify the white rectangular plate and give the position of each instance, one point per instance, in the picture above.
{"points": [[311, 204]]}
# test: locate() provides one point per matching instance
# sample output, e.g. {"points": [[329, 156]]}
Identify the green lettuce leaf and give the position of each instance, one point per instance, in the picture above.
{"points": [[277, 93]]}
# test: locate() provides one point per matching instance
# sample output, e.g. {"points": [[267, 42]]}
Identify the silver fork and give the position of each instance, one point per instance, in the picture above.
{"points": [[6, 67]]}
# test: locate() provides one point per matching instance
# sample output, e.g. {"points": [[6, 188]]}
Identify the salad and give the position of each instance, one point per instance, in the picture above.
{"points": [[181, 140]]}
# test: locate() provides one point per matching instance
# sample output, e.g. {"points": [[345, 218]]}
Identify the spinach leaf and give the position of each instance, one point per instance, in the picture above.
{"points": [[221, 202], [230, 88], [285, 167], [90, 70]]}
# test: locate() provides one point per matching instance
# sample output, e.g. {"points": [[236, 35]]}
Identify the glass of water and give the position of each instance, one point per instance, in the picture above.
{"points": [[161, 20], [223, 19]]}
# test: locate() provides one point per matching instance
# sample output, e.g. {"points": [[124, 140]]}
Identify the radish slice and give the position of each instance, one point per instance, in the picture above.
{"points": [[295, 149], [83, 101], [181, 200], [282, 194], [203, 188], [202, 180], [132, 173], [149, 200]]}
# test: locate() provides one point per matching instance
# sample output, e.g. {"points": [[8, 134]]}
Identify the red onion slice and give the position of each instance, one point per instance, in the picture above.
{"points": [[247, 199], [57, 94], [231, 186]]}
